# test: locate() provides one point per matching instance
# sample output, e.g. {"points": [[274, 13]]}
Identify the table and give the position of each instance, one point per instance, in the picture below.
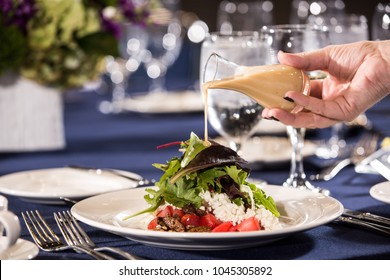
{"points": [[128, 141]]}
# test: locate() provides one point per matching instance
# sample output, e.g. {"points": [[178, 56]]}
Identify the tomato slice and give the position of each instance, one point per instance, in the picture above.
{"points": [[167, 211], [249, 224], [176, 212], [190, 220], [209, 220], [152, 224], [223, 227]]}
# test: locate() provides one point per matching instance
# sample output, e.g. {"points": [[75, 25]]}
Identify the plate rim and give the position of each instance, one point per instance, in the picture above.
{"points": [[131, 232], [54, 197], [31, 254], [138, 101], [374, 194]]}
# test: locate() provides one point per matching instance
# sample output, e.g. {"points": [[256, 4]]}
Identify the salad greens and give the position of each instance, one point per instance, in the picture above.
{"points": [[205, 167]]}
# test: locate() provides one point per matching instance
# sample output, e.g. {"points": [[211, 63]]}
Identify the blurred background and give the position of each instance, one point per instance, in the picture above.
{"points": [[206, 14], [207, 10], [197, 18]]}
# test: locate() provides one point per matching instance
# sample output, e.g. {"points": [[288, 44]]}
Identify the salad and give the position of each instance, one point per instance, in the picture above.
{"points": [[206, 190]]}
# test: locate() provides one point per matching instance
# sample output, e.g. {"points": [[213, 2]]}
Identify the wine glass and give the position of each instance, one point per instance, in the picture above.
{"points": [[156, 45], [344, 29], [132, 44], [244, 15], [297, 38], [233, 115], [302, 11], [380, 27], [164, 41]]}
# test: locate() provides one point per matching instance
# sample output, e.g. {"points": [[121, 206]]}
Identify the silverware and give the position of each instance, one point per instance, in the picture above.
{"points": [[47, 240], [366, 216], [363, 148], [375, 227], [75, 235], [125, 174]]}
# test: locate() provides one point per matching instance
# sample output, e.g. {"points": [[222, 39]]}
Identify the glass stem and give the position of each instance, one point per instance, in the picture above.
{"points": [[297, 137], [234, 146], [297, 178]]}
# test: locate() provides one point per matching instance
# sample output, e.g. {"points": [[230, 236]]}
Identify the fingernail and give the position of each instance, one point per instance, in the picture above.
{"points": [[271, 118], [288, 99]]}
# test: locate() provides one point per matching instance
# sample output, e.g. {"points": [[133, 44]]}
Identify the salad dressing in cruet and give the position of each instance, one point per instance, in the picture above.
{"points": [[266, 84]]}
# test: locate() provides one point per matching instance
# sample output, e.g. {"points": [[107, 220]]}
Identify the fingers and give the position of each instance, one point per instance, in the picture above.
{"points": [[303, 119], [315, 105], [316, 88], [313, 60], [309, 112]]}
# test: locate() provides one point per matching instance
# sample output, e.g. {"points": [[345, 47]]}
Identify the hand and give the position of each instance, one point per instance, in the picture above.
{"points": [[358, 77]]}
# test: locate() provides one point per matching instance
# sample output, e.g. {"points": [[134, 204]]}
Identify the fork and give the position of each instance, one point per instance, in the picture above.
{"points": [[47, 240], [363, 148], [75, 235]]}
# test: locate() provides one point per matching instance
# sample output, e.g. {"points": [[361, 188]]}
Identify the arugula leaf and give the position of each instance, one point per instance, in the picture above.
{"points": [[182, 193], [182, 183], [154, 199], [194, 147], [262, 199], [207, 178], [237, 174]]}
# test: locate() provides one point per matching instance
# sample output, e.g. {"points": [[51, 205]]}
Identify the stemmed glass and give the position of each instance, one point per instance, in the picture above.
{"points": [[302, 11], [233, 115], [380, 27], [297, 38], [343, 29], [244, 15], [155, 45], [164, 41], [132, 44]]}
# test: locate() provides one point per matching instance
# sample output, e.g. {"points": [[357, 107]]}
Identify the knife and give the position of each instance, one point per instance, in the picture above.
{"points": [[368, 217], [128, 175], [363, 224]]}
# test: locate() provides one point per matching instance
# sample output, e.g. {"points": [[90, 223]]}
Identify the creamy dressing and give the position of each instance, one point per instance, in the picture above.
{"points": [[266, 84]]}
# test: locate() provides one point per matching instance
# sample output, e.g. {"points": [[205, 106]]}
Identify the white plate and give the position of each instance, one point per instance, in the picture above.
{"points": [[171, 102], [270, 149], [48, 185], [381, 192], [22, 250], [300, 210]]}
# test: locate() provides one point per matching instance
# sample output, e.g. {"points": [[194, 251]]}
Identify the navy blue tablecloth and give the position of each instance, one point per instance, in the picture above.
{"points": [[128, 141]]}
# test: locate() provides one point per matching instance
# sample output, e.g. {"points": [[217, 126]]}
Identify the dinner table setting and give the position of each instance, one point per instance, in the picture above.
{"points": [[77, 200], [122, 145]]}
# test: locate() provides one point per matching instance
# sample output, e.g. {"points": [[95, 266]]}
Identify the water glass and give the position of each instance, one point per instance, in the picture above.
{"points": [[296, 38], [380, 27], [244, 15], [233, 115]]}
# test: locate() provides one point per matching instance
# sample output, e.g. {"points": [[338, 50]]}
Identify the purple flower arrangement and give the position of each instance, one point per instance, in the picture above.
{"points": [[63, 43]]}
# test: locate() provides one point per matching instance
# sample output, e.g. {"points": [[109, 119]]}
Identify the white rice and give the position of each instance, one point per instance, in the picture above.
{"points": [[225, 211]]}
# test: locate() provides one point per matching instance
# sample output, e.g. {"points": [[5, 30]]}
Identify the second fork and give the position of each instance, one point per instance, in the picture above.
{"points": [[75, 235], [47, 240]]}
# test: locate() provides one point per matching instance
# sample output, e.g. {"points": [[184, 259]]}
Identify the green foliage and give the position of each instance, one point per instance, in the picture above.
{"points": [[63, 43], [186, 189], [13, 48]]}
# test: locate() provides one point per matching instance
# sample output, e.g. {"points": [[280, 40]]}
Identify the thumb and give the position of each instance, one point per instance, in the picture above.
{"points": [[313, 60]]}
